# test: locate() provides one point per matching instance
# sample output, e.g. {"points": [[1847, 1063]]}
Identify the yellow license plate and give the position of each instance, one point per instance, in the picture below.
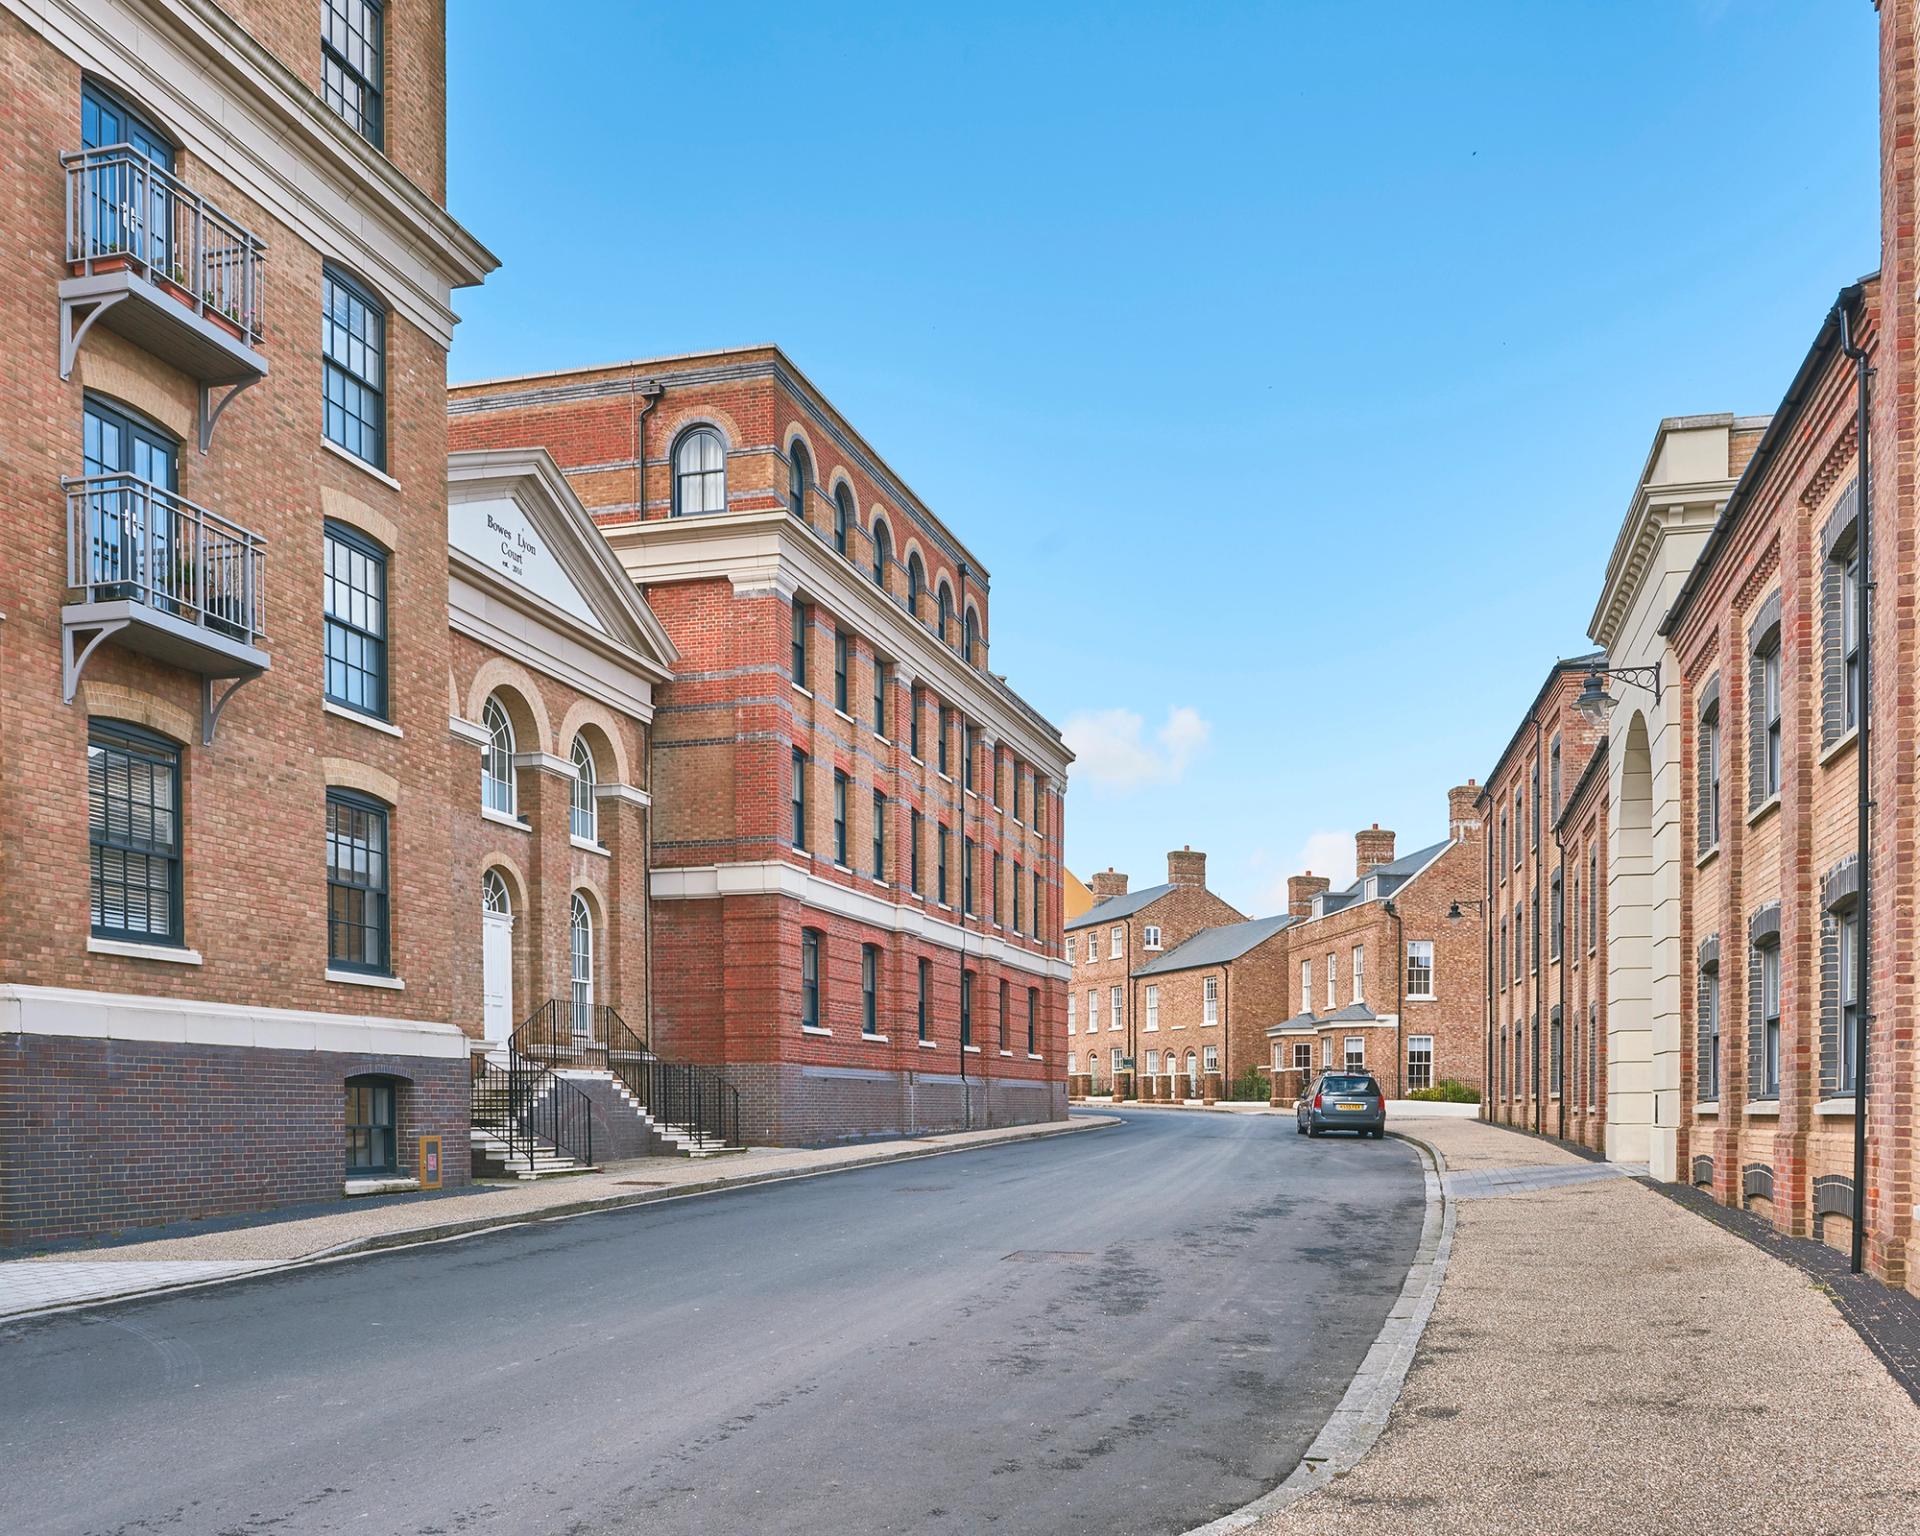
{"points": [[1357, 1108]]}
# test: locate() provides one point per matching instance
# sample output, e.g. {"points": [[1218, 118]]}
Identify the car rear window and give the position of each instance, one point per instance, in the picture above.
{"points": [[1347, 1082]]}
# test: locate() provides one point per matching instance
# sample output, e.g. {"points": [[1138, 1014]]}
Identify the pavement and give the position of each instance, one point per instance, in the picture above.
{"points": [[1127, 1332], [230, 1249], [1600, 1358]]}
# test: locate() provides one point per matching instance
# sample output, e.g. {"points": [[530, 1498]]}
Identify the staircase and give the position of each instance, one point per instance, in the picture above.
{"points": [[573, 1062], [527, 1121]]}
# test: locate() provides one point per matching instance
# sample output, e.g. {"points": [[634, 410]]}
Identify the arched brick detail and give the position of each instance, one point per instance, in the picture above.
{"points": [[114, 701], [609, 739], [516, 877], [136, 380], [355, 513], [521, 693], [346, 773], [708, 415]]}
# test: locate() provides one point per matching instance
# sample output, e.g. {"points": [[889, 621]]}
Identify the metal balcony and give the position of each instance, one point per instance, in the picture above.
{"points": [[161, 576], [152, 259]]}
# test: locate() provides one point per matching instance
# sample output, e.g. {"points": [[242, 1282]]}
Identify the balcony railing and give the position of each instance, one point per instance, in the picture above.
{"points": [[123, 211], [129, 540]]}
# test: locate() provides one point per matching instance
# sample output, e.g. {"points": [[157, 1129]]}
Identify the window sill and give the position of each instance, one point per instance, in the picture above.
{"points": [[971, 1050], [884, 741], [915, 757], [1838, 1107], [502, 819], [802, 688], [1428, 997], [1007, 1054], [1032, 1057], [942, 773], [1763, 810], [1702, 860], [366, 979], [844, 715], [1838, 749], [371, 722], [354, 1188], [360, 464], [586, 846], [815, 1029], [1763, 1109], [129, 949], [928, 1045], [869, 1035], [1706, 1109]]}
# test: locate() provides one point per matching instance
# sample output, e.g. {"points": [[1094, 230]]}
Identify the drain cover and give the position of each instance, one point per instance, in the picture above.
{"points": [[1047, 1255]]}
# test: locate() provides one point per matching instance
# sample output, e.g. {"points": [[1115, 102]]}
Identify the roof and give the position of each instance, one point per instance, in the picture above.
{"points": [[1118, 906], [1391, 877], [1216, 946], [1596, 765], [1825, 343], [1353, 1013], [1583, 663]]}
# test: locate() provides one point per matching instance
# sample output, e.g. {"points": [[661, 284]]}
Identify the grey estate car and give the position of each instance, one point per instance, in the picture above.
{"points": [[1342, 1101]]}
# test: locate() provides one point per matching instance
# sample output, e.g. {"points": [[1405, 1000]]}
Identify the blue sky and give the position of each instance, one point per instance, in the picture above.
{"points": [[1288, 365]]}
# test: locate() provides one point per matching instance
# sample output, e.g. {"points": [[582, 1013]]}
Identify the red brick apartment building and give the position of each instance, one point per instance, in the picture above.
{"points": [[1108, 945], [1388, 974], [856, 878], [224, 976], [1767, 636], [1545, 869]]}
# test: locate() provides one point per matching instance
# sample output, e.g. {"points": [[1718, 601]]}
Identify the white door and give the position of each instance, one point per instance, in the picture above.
{"points": [[496, 959]]}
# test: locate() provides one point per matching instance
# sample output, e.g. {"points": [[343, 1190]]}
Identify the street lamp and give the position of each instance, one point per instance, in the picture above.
{"points": [[1454, 914], [1596, 704]]}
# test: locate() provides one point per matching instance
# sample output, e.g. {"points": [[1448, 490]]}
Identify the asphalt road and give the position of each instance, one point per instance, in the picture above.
{"points": [[1127, 1330]]}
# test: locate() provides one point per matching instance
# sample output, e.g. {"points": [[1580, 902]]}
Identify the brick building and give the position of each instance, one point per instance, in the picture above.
{"points": [[1200, 1011], [1544, 1058], [856, 879], [1388, 973], [1767, 636], [225, 656], [1120, 932]]}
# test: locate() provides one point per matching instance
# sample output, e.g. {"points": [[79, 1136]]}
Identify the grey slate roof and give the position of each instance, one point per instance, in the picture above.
{"points": [[1215, 946], [1391, 877], [1353, 1013], [1115, 907]]}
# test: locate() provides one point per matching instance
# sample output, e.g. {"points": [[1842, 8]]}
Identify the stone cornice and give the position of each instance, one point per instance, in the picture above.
{"points": [[1656, 511], [771, 551]]}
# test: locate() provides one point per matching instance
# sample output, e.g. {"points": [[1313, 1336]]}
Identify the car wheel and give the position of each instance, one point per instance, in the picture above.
{"points": [[1299, 1127], [1312, 1129], [1380, 1135]]}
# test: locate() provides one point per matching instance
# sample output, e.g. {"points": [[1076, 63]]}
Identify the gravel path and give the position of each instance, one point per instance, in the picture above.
{"points": [[1601, 1359]]}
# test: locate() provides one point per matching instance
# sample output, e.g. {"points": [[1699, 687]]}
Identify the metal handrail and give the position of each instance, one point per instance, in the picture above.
{"points": [[525, 1104], [695, 1099], [130, 538], [122, 208]]}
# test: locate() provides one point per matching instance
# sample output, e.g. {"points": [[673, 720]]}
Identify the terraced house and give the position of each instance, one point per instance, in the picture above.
{"points": [[225, 655], [856, 885], [1122, 931], [1544, 1050]]}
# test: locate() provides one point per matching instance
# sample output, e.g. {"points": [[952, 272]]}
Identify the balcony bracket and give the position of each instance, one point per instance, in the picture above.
{"points": [[76, 319], [72, 665], [210, 413], [210, 707]]}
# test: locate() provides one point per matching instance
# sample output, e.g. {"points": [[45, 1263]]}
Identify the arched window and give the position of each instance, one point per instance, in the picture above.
{"points": [[946, 609], [580, 942], [584, 821], [699, 473], [1193, 1074], [496, 759], [799, 479], [973, 634], [916, 583], [882, 552], [494, 895], [842, 516]]}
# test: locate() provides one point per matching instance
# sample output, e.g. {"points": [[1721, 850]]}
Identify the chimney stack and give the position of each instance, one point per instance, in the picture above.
{"points": [[1187, 868], [1301, 889], [1106, 883], [1371, 849], [1463, 809]]}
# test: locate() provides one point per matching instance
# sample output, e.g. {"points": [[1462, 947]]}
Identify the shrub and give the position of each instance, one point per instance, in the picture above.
{"points": [[1449, 1090], [1250, 1085]]}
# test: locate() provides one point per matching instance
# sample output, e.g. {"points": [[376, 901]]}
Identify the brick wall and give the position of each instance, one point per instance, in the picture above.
{"points": [[101, 1135]]}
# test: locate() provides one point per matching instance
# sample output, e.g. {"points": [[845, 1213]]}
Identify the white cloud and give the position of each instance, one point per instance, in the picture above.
{"points": [[1111, 750], [1327, 854]]}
